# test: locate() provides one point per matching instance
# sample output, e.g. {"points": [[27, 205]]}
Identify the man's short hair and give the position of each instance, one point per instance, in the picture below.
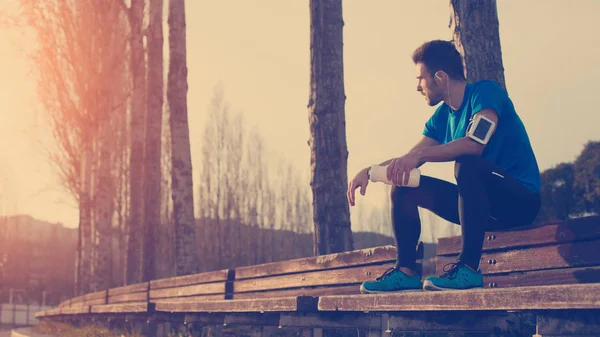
{"points": [[439, 55]]}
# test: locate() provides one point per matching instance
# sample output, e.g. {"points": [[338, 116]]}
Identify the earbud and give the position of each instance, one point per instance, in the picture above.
{"points": [[438, 76]]}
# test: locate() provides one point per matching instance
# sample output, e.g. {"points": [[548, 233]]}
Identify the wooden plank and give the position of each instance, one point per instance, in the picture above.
{"points": [[264, 319], [134, 307], [579, 254], [204, 318], [76, 299], [435, 321], [579, 229], [95, 296], [40, 314], [197, 289], [259, 305], [315, 278], [214, 276], [75, 310], [575, 296], [135, 297], [569, 323], [134, 288], [52, 312], [323, 262], [218, 297], [316, 292], [90, 302], [65, 303], [543, 277], [345, 320]]}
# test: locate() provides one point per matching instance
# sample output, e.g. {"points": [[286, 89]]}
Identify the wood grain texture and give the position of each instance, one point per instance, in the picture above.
{"points": [[134, 307], [573, 230], [315, 278], [352, 289], [454, 321], [87, 297], [88, 303], [353, 258], [134, 288], [577, 296], [256, 305], [218, 297], [134, 297], [215, 276], [346, 320], [197, 289], [579, 254], [75, 310], [543, 277], [569, 323]]}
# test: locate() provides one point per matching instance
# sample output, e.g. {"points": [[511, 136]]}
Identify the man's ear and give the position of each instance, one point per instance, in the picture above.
{"points": [[439, 77]]}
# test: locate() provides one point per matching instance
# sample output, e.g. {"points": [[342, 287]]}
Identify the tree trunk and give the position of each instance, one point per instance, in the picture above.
{"points": [[329, 153], [136, 168], [103, 203], [182, 184], [85, 222], [474, 26], [152, 167]]}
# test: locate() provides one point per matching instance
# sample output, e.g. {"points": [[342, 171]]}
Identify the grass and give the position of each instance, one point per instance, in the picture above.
{"points": [[66, 330]]}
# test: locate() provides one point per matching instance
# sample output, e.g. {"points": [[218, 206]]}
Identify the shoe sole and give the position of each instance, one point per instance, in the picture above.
{"points": [[366, 291], [429, 286]]}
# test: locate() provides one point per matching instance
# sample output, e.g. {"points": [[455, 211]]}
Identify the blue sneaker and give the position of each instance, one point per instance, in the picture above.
{"points": [[457, 277], [393, 280]]}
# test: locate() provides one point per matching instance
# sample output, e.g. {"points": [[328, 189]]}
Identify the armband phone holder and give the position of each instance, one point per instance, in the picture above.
{"points": [[481, 130]]}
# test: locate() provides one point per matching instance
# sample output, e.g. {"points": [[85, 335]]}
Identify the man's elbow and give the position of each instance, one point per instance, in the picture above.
{"points": [[474, 148]]}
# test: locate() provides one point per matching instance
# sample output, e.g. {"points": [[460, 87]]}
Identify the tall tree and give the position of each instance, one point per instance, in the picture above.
{"points": [[136, 167], [475, 31], [182, 184], [152, 167], [587, 178], [329, 152], [557, 193], [81, 47]]}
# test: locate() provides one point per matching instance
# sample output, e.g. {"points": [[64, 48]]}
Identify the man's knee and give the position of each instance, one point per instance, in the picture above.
{"points": [[466, 166], [398, 194]]}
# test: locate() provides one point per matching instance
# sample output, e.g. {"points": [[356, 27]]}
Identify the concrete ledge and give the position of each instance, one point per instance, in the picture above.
{"points": [[26, 332]]}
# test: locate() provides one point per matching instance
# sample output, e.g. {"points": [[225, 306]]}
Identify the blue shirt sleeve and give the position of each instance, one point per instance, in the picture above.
{"points": [[488, 95]]}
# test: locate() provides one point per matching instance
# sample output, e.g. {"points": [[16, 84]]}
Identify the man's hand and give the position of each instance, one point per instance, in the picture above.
{"points": [[361, 180], [401, 166]]}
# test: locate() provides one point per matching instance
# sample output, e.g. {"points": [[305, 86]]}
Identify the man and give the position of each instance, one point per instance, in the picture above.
{"points": [[498, 179]]}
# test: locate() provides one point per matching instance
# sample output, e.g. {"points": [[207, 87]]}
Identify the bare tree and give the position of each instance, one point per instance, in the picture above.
{"points": [[80, 53], [475, 31], [135, 231], [329, 153], [182, 185], [152, 167]]}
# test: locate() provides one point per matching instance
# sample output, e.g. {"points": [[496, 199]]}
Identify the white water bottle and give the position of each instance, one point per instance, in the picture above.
{"points": [[379, 174]]}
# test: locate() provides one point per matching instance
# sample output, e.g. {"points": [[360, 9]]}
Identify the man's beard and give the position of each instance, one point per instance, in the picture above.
{"points": [[434, 97]]}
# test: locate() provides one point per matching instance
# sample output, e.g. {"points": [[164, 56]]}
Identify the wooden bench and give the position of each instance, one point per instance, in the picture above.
{"points": [[124, 300], [262, 292], [558, 253], [543, 277], [540, 277]]}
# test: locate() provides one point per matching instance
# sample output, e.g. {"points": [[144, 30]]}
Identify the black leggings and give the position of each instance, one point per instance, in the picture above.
{"points": [[485, 198]]}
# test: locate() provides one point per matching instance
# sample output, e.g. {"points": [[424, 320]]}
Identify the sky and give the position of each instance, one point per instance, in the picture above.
{"points": [[258, 50]]}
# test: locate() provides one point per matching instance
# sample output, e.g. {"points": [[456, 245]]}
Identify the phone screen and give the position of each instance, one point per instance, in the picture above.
{"points": [[482, 129]]}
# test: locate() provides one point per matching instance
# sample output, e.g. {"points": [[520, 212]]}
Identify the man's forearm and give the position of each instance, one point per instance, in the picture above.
{"points": [[450, 151], [423, 143]]}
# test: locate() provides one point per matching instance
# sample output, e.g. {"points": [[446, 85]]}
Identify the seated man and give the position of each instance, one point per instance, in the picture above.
{"points": [[497, 175]]}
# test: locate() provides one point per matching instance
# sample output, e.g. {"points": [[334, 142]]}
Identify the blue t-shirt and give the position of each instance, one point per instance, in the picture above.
{"points": [[509, 147]]}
